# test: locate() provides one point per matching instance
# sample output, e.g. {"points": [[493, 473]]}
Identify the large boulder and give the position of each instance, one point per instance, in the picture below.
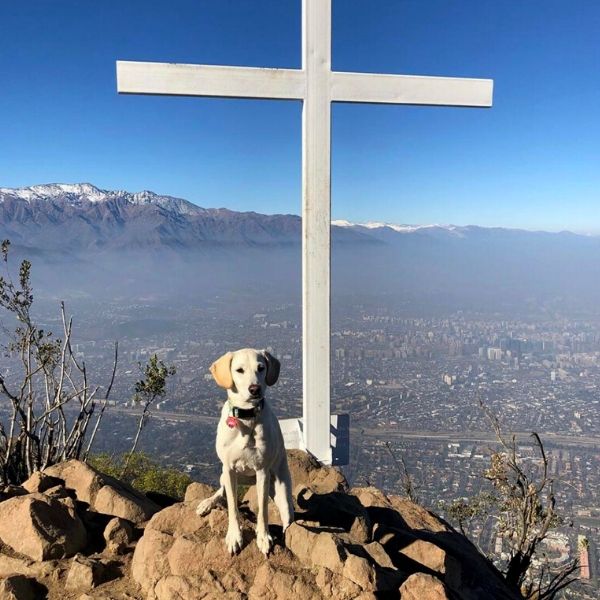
{"points": [[118, 534], [78, 476], [41, 482], [421, 586], [306, 471], [426, 554], [196, 492], [336, 510], [40, 527], [270, 584], [418, 541], [85, 574], [314, 548], [103, 493], [307, 475], [179, 550], [357, 545]]}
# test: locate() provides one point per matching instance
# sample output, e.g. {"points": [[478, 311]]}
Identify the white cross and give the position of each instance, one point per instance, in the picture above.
{"points": [[316, 86]]}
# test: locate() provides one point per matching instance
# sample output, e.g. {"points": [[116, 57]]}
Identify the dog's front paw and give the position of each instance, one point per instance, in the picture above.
{"points": [[233, 540], [205, 507], [264, 542]]}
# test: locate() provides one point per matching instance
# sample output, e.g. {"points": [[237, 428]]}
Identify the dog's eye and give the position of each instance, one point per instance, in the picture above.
{"points": [[261, 367], [240, 370]]}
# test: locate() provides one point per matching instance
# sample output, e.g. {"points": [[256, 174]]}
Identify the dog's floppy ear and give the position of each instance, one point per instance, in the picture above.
{"points": [[221, 371], [273, 367]]}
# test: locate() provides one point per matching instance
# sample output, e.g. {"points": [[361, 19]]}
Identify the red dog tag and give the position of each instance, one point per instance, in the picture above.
{"points": [[231, 422]]}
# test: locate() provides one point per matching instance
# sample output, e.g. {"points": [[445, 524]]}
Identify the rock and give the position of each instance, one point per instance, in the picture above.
{"points": [[300, 541], [150, 563], [118, 534], [103, 493], [416, 517], [16, 565], [420, 586], [314, 549], [371, 496], [338, 510], [68, 502], [186, 588], [270, 584], [358, 570], [196, 492], [182, 555], [426, 554], [19, 587], [183, 558], [60, 491], [78, 476], [175, 587], [335, 586], [124, 503], [397, 511], [328, 552], [307, 472], [378, 554], [181, 519], [41, 527], [13, 565], [251, 500], [40, 482], [85, 574], [10, 491], [160, 499]]}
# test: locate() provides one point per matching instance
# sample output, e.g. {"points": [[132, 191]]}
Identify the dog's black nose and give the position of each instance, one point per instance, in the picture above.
{"points": [[254, 389]]}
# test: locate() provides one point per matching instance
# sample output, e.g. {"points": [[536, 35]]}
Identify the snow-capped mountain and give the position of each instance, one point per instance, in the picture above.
{"points": [[121, 242], [398, 228], [81, 216], [77, 194]]}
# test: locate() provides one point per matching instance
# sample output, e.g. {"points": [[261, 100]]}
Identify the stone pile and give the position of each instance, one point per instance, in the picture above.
{"points": [[74, 533]]}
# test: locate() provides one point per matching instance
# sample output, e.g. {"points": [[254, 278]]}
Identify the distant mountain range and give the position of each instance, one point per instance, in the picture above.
{"points": [[91, 231], [81, 216]]}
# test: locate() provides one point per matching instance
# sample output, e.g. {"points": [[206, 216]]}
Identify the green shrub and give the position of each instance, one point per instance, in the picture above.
{"points": [[143, 473]]}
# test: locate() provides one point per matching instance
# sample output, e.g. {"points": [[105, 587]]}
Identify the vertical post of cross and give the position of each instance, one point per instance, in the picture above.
{"points": [[316, 224]]}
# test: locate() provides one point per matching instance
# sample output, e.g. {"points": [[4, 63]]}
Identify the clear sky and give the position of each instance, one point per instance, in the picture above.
{"points": [[531, 161]]}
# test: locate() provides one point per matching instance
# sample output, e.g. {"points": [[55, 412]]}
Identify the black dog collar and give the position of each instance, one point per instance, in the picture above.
{"points": [[247, 413]]}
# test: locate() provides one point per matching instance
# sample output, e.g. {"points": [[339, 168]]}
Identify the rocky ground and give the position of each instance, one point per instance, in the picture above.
{"points": [[72, 533]]}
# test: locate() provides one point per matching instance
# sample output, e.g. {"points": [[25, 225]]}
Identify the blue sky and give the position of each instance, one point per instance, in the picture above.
{"points": [[531, 161]]}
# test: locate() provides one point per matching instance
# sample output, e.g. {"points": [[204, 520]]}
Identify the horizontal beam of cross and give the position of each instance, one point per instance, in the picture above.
{"points": [[290, 84]]}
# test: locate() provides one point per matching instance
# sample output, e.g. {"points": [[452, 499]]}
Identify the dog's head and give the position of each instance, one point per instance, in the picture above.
{"points": [[245, 374]]}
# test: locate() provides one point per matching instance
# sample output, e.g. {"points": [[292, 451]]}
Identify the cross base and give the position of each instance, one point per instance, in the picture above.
{"points": [[339, 451]]}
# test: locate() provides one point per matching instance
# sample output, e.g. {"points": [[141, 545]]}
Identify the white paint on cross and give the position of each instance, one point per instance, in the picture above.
{"points": [[317, 86]]}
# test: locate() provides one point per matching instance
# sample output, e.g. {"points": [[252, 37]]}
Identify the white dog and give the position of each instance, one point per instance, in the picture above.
{"points": [[249, 441]]}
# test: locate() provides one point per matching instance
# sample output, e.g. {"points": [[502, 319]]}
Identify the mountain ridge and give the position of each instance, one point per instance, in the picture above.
{"points": [[80, 237], [78, 194]]}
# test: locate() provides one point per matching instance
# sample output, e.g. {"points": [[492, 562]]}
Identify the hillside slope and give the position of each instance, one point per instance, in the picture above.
{"points": [[73, 533]]}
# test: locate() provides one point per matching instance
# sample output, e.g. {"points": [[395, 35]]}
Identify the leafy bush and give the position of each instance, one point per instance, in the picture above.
{"points": [[143, 473]]}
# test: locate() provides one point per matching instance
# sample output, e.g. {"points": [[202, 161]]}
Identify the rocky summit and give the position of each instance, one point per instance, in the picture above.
{"points": [[72, 532]]}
